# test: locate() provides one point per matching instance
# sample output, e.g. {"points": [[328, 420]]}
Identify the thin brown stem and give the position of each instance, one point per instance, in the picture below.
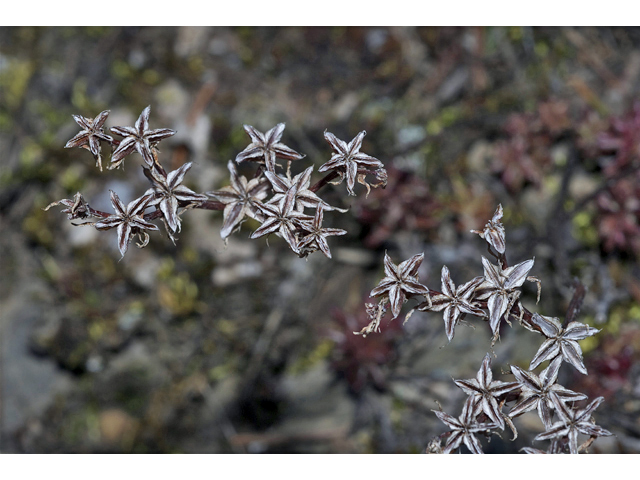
{"points": [[210, 205], [576, 303], [323, 181]]}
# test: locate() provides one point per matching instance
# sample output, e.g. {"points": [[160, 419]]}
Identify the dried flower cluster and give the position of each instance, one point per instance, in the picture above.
{"points": [[283, 213], [495, 297], [288, 206]]}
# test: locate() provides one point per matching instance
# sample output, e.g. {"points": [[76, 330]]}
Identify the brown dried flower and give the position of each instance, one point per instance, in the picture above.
{"points": [[282, 219], [304, 197], [240, 199], [91, 134], [140, 139], [169, 191], [493, 231], [76, 208], [129, 221], [574, 421], [400, 281], [561, 341], [266, 147], [464, 427], [313, 236], [483, 391], [537, 391], [456, 302], [501, 289], [347, 158]]}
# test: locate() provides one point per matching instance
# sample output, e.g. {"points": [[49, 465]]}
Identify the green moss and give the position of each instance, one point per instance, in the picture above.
{"points": [[81, 426], [584, 229], [434, 127], [79, 97], [96, 330], [226, 327], [72, 180], [178, 294], [541, 49], [589, 344], [166, 269], [220, 372], [92, 299], [515, 34], [96, 32], [6, 121], [35, 227], [53, 118], [322, 351], [14, 81], [30, 155], [196, 65], [151, 77], [122, 70], [450, 115]]}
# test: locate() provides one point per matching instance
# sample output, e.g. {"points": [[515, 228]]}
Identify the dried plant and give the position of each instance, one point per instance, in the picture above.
{"points": [[167, 198], [493, 297], [289, 206]]}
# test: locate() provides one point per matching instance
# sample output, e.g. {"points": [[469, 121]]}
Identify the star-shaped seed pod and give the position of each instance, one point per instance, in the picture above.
{"points": [[169, 191], [241, 199], [561, 341], [483, 391], [400, 281], [347, 158], [129, 221], [140, 139], [464, 427], [313, 236], [304, 197], [493, 231], [76, 208], [282, 219], [537, 391], [266, 147], [90, 135], [456, 302], [574, 421], [501, 289]]}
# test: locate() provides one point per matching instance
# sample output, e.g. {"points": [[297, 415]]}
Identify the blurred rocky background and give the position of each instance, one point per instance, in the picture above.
{"points": [[202, 347]]}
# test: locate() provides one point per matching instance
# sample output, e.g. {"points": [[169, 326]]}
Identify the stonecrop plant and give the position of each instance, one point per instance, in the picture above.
{"points": [[289, 206], [272, 196], [495, 297]]}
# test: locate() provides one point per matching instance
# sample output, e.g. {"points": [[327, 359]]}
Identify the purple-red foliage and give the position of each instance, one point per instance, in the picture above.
{"points": [[619, 204], [524, 156], [406, 203], [362, 361], [623, 140], [610, 371], [619, 215]]}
